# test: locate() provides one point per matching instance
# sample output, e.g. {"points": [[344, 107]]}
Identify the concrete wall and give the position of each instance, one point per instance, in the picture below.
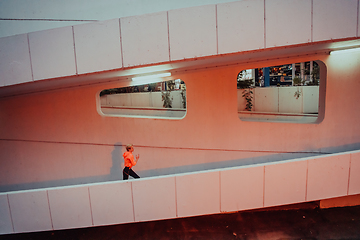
{"points": [[59, 138], [282, 100], [181, 195]]}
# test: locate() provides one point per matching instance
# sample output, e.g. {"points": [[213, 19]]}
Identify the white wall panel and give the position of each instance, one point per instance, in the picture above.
{"points": [[30, 211], [140, 99], [145, 39], [14, 60], [52, 53], [77, 10], [97, 46], [198, 194], [13, 28], [156, 99], [167, 197], [119, 100], [235, 32], [192, 32], [154, 198], [242, 189], [111, 203], [334, 19], [287, 22], [354, 180], [285, 183], [288, 103], [5, 219], [328, 177], [310, 99], [70, 207], [266, 99]]}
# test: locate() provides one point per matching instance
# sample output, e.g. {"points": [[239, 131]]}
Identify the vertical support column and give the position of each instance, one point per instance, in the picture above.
{"points": [[253, 76], [266, 72], [302, 70], [293, 67], [256, 77], [293, 70], [311, 70]]}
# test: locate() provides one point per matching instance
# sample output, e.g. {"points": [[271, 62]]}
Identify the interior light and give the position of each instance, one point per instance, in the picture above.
{"points": [[347, 50], [151, 77]]}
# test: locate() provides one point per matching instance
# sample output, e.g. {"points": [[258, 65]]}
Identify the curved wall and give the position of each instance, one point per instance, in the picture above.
{"points": [[59, 138]]}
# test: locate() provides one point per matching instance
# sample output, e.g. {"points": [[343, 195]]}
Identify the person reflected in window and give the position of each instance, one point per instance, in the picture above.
{"points": [[129, 162]]}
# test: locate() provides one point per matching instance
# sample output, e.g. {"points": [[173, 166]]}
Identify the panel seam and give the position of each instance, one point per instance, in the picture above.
{"points": [[132, 199], [31, 65], [220, 191], [312, 21], [264, 188], [306, 180], [357, 20], [11, 218], [217, 29], [161, 147], [91, 211], [76, 67], [264, 25], [121, 45], [176, 204], [51, 220], [348, 186], [168, 32]]}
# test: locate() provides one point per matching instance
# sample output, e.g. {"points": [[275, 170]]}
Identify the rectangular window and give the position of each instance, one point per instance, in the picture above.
{"points": [[286, 93], [164, 100]]}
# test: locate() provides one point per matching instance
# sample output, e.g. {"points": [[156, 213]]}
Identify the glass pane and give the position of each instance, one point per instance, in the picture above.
{"points": [[156, 100]]}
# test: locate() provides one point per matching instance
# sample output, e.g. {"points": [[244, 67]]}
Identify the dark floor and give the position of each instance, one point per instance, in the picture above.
{"points": [[304, 223]]}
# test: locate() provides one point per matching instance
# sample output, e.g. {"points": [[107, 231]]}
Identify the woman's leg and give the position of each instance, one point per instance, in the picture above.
{"points": [[133, 174], [126, 173]]}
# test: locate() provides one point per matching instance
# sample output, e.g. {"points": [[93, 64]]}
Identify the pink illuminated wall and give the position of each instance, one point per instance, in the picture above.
{"points": [[58, 137], [57, 145], [55, 135]]}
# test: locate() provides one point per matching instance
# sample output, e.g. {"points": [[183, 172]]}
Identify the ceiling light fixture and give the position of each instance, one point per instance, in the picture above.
{"points": [[345, 50], [151, 77]]}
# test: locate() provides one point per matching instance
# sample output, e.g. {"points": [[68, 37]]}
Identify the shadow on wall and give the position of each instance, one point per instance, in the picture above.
{"points": [[274, 157], [117, 166], [115, 175], [117, 163]]}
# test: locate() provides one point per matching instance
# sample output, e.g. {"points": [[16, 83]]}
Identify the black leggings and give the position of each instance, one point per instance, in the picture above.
{"points": [[128, 171]]}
